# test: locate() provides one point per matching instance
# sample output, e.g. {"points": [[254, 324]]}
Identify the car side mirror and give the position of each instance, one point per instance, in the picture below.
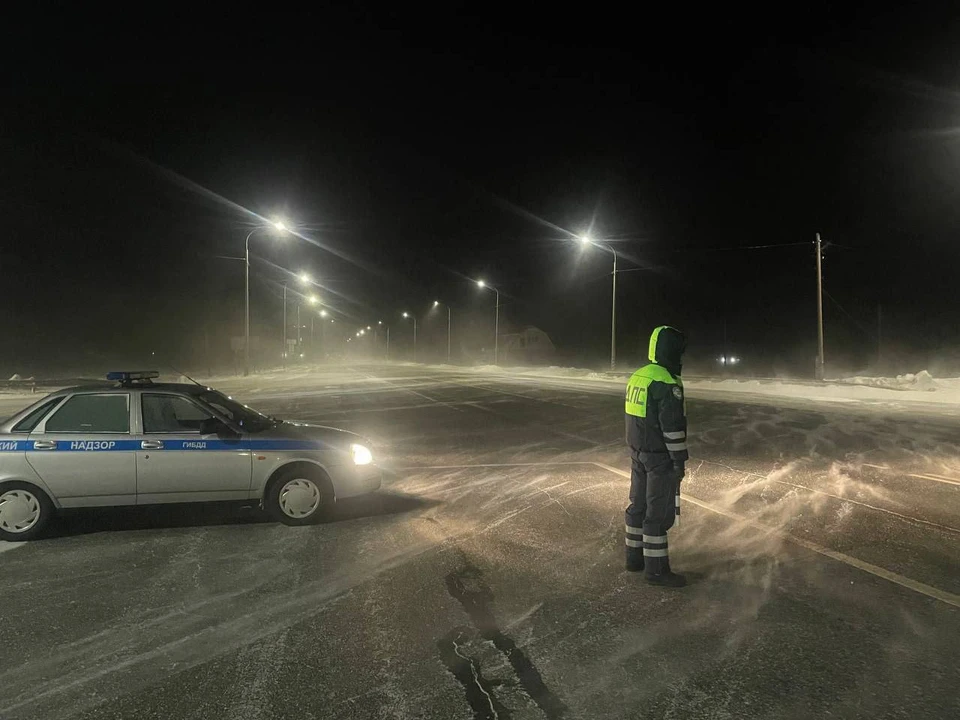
{"points": [[215, 426]]}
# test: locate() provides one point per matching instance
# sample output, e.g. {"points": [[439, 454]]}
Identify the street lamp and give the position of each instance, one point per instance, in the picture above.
{"points": [[408, 315], [437, 303], [496, 331], [279, 227], [303, 278], [585, 241]]}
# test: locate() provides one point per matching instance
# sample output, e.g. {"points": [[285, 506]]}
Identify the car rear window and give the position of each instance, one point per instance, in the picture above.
{"points": [[92, 414], [36, 415]]}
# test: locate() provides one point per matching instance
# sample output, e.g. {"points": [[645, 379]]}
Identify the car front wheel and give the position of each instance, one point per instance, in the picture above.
{"points": [[298, 496], [25, 511]]}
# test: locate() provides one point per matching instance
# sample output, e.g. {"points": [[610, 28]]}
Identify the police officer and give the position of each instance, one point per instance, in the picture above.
{"points": [[657, 436]]}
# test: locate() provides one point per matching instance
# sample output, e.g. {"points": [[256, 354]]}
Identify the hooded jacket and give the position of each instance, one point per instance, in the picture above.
{"points": [[655, 407]]}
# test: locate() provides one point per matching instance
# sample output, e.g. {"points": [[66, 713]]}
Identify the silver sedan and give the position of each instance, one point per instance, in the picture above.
{"points": [[137, 442]]}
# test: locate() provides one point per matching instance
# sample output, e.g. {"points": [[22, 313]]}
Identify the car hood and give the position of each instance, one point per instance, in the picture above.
{"points": [[305, 431]]}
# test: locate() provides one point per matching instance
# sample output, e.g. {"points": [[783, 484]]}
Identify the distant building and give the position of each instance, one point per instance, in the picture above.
{"points": [[528, 347]]}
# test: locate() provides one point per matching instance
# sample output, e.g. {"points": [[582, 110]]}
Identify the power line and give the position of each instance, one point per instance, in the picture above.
{"points": [[744, 247], [864, 330]]}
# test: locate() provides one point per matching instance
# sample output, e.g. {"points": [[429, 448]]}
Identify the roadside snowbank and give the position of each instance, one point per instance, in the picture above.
{"points": [[921, 387]]}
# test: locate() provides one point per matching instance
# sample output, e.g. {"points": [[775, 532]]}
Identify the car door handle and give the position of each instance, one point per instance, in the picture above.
{"points": [[44, 444], [151, 445]]}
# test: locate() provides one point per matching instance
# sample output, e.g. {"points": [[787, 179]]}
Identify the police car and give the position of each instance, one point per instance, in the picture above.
{"points": [[139, 442]]}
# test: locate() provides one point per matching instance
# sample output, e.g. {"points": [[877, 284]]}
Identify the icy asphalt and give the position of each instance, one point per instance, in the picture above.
{"points": [[486, 581]]}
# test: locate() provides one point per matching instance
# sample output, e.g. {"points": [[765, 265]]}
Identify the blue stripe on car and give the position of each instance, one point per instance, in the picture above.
{"points": [[184, 445]]}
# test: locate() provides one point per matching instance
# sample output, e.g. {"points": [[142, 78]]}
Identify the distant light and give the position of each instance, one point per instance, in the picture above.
{"points": [[368, 327], [586, 239], [301, 355], [481, 283], [379, 322], [279, 225], [332, 321], [436, 302], [312, 299], [323, 313], [304, 278], [406, 315]]}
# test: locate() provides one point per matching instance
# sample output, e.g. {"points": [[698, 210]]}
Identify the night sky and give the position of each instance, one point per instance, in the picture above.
{"points": [[420, 152]]}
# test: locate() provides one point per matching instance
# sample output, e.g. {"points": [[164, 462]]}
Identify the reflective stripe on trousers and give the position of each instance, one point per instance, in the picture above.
{"points": [[655, 546]]}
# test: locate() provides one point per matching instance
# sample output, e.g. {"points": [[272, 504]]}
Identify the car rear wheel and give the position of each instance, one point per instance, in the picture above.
{"points": [[299, 496], [25, 511]]}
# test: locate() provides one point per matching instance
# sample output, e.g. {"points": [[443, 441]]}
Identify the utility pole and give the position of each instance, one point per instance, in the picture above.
{"points": [[496, 332], [819, 368], [879, 333], [723, 364], [613, 316], [284, 355]]}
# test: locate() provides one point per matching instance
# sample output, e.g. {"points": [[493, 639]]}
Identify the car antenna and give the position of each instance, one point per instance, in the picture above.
{"points": [[185, 375]]}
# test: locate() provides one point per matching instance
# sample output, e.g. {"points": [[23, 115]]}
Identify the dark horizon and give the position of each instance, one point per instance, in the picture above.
{"points": [[419, 161]]}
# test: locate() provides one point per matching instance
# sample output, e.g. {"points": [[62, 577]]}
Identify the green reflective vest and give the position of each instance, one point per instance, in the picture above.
{"points": [[639, 383]]}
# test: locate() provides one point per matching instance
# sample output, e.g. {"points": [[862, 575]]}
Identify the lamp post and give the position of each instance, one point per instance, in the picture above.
{"points": [[408, 315], [586, 240], [303, 278], [437, 303], [496, 330], [323, 334], [280, 227], [312, 300]]}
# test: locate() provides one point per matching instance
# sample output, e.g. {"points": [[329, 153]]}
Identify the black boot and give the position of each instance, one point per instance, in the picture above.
{"points": [[634, 559], [658, 573], [668, 579]]}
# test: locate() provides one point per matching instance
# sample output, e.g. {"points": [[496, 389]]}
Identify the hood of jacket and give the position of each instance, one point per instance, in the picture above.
{"points": [[667, 345]]}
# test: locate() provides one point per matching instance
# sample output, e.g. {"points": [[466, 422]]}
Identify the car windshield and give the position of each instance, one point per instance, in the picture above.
{"points": [[244, 417]]}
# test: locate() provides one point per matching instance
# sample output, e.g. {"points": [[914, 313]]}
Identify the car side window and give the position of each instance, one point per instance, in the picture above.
{"points": [[171, 414], [92, 414], [35, 416]]}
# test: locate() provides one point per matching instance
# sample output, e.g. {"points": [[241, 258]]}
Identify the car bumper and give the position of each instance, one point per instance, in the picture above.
{"points": [[356, 480]]}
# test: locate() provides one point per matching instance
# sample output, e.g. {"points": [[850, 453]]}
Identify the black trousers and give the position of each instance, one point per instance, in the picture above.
{"points": [[651, 512]]}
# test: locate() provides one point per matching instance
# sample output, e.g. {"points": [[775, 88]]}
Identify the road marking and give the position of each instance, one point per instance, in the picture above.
{"points": [[5, 546], [487, 388], [922, 476], [935, 478], [908, 518], [494, 465], [922, 588], [410, 390]]}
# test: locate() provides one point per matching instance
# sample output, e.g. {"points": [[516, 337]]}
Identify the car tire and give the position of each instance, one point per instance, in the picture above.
{"points": [[299, 496], [25, 511]]}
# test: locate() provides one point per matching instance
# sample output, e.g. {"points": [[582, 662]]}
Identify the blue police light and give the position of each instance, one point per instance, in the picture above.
{"points": [[126, 376]]}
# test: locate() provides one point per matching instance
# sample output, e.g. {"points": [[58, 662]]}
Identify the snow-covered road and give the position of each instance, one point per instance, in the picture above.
{"points": [[823, 543]]}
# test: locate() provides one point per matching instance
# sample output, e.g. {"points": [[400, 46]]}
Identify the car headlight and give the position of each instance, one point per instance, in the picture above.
{"points": [[361, 454]]}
